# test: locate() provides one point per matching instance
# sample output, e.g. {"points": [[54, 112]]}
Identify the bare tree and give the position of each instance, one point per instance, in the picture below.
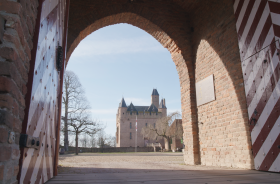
{"points": [[81, 122], [164, 129], [104, 140], [92, 141], [110, 140], [72, 93], [85, 141]]}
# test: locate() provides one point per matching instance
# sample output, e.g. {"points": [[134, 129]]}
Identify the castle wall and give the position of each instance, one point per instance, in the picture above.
{"points": [[123, 122]]}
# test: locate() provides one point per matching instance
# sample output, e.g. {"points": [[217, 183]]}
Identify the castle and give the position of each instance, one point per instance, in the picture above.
{"points": [[126, 120]]}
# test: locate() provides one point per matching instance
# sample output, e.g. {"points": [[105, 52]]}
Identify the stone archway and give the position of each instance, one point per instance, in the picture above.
{"points": [[181, 30], [178, 25], [182, 61]]}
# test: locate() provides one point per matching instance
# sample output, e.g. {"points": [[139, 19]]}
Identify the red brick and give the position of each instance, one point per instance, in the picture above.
{"points": [[1, 172], [17, 125], [10, 6], [12, 37], [5, 153], [9, 172], [16, 170], [6, 118], [15, 154], [8, 69], [8, 86], [3, 135], [6, 101]]}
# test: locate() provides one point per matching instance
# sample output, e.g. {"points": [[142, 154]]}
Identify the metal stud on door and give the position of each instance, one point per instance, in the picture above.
{"points": [[257, 25], [37, 159]]}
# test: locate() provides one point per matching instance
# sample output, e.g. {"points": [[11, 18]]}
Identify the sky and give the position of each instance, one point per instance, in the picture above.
{"points": [[124, 61]]}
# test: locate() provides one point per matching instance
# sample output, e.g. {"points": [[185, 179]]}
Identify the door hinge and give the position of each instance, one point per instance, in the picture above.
{"points": [[59, 58], [28, 141]]}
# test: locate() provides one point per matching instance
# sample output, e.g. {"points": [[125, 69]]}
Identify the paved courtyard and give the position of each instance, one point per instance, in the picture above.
{"points": [[149, 168]]}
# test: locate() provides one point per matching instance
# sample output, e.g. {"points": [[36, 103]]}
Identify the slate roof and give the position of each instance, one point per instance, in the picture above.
{"points": [[141, 108], [161, 105], [152, 108], [131, 107], [123, 104], [155, 92]]}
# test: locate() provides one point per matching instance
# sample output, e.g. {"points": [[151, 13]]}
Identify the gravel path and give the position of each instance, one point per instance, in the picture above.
{"points": [[149, 168], [122, 162]]}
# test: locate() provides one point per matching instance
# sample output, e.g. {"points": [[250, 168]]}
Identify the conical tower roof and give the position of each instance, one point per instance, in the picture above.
{"points": [[155, 92], [123, 104]]}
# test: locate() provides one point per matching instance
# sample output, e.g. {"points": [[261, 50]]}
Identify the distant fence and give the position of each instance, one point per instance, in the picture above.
{"points": [[112, 149]]}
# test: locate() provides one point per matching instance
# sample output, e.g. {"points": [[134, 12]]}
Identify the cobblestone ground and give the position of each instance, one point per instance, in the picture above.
{"points": [[149, 168]]}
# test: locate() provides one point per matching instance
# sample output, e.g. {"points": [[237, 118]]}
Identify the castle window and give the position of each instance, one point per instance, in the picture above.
{"points": [[130, 125], [154, 125], [130, 135], [146, 124]]}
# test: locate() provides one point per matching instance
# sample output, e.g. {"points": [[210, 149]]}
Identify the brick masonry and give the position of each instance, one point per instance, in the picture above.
{"points": [[202, 40], [224, 137], [15, 54]]}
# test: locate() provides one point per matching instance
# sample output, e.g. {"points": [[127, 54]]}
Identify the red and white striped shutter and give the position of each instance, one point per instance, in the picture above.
{"points": [[258, 29], [37, 165]]}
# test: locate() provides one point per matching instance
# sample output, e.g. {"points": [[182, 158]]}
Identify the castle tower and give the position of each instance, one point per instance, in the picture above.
{"points": [[122, 107], [162, 108], [155, 98]]}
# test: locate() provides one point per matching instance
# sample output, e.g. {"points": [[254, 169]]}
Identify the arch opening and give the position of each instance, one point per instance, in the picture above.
{"points": [[180, 50]]}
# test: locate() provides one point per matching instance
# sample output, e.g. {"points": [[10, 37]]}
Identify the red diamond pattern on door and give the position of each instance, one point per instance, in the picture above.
{"points": [[37, 165], [258, 30]]}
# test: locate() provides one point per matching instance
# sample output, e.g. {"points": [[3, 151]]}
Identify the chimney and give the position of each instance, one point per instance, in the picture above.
{"points": [[164, 102]]}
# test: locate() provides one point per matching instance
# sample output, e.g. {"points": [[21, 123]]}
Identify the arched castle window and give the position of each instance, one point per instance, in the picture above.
{"points": [[130, 135], [130, 125], [146, 124]]}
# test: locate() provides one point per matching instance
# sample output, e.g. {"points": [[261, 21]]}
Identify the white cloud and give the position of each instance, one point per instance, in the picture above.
{"points": [[90, 47]]}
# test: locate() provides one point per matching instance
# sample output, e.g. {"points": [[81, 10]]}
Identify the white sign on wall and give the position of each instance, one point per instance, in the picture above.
{"points": [[205, 90]]}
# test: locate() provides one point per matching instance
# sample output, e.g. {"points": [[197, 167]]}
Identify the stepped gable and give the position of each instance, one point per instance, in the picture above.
{"points": [[123, 104], [161, 105], [131, 108], [152, 108], [155, 92]]}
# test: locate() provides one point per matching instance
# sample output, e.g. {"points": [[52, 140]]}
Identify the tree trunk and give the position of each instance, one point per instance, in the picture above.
{"points": [[77, 151], [168, 144]]}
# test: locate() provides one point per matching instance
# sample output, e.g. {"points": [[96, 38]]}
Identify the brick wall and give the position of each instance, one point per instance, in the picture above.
{"points": [[186, 34], [171, 29], [202, 40], [15, 54], [224, 136]]}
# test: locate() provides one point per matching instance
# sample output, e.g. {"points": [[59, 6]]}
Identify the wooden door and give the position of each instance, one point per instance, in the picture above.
{"points": [[258, 30], [37, 163]]}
